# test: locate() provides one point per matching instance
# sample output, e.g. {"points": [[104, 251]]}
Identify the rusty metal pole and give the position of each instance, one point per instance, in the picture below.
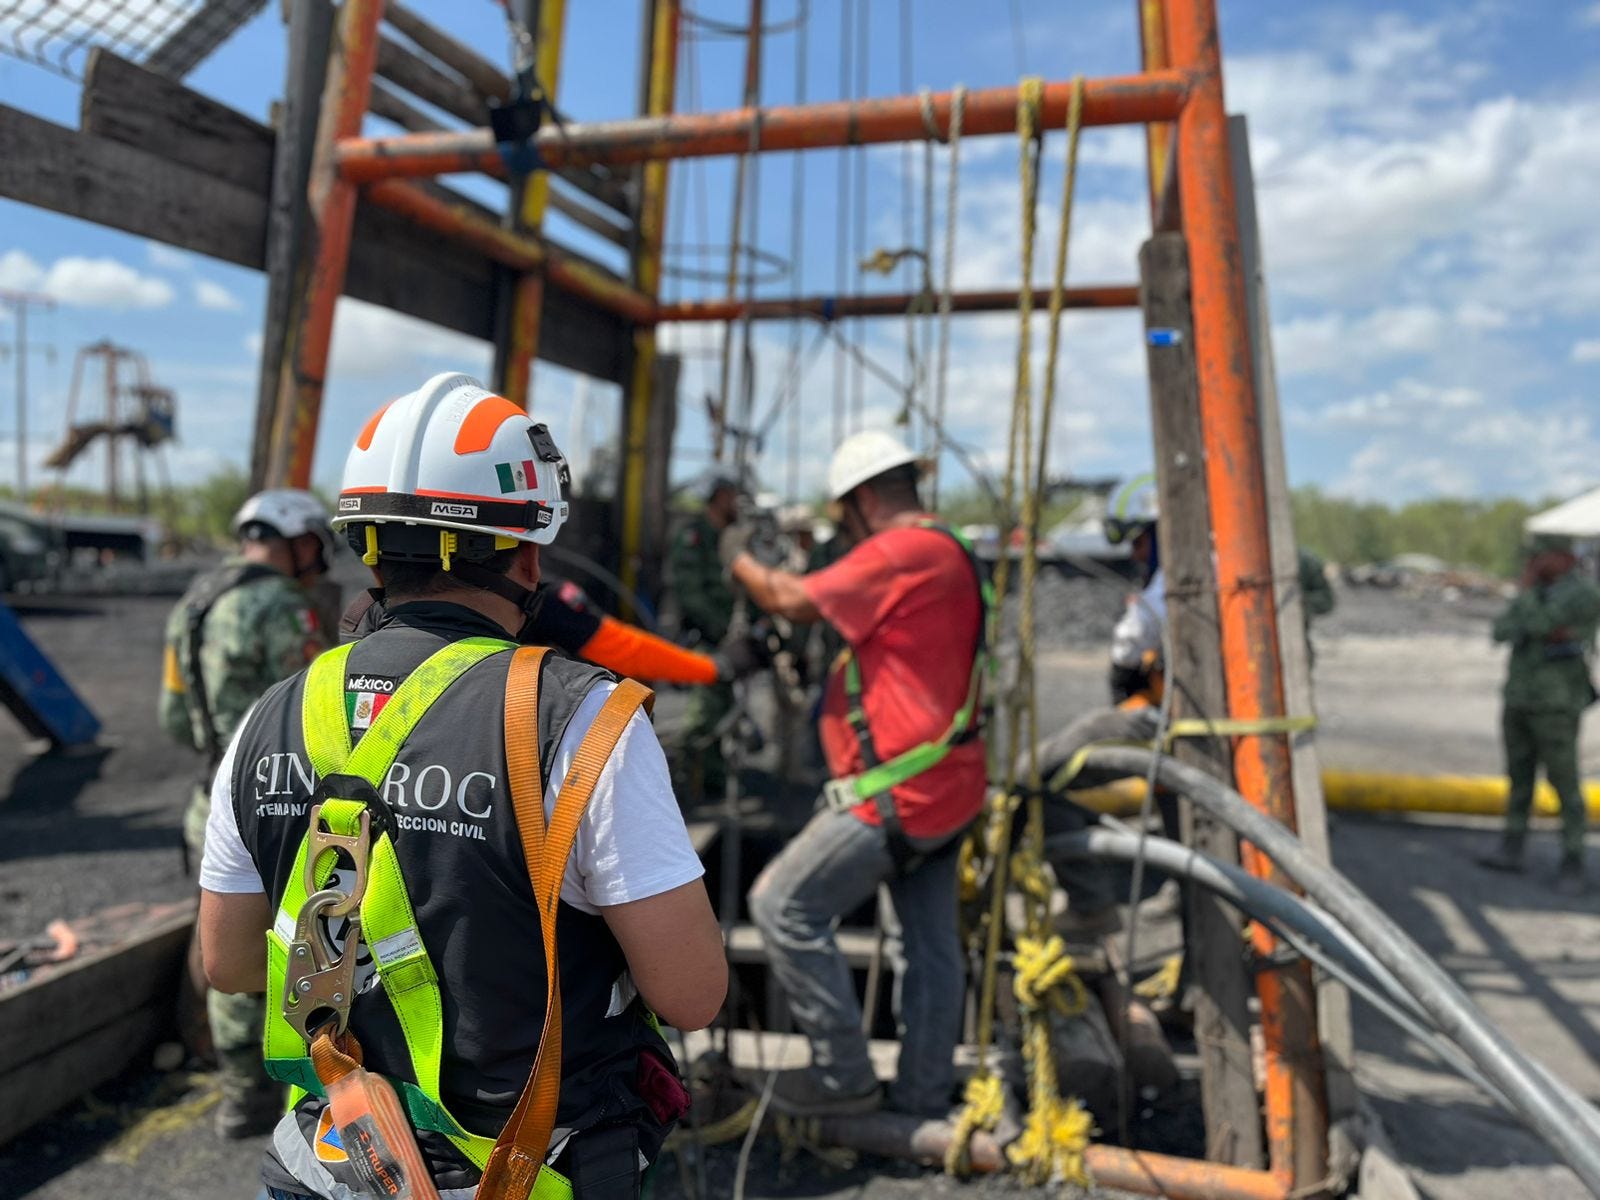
{"points": [[333, 208], [1295, 1099], [660, 93], [885, 304], [527, 297], [1155, 56], [1118, 100]]}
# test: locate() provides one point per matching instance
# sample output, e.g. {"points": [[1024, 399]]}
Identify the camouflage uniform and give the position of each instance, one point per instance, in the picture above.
{"points": [[255, 634], [1551, 629], [705, 600]]}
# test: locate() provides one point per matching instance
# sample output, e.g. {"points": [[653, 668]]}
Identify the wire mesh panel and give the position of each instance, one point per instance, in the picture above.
{"points": [[169, 36]]}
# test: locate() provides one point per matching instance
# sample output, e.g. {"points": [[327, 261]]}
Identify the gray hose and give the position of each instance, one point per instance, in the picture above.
{"points": [[1563, 1127], [1290, 919]]}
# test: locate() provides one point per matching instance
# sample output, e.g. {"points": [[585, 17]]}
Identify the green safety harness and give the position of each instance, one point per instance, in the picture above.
{"points": [[878, 778], [348, 818]]}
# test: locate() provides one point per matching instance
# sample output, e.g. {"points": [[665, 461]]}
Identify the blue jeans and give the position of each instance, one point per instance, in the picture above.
{"points": [[834, 865]]}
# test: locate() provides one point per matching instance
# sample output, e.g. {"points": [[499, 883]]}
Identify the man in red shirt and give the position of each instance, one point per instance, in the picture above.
{"points": [[909, 601]]}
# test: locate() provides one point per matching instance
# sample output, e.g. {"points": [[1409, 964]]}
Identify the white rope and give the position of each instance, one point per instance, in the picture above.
{"points": [[958, 109]]}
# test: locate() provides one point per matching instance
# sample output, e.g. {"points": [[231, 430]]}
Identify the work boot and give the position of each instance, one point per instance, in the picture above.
{"points": [[1507, 858], [251, 1112], [800, 1092], [1570, 880]]}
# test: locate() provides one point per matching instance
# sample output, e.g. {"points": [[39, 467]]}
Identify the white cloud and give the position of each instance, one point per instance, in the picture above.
{"points": [[19, 272], [369, 341], [1586, 351], [168, 258], [214, 296], [1590, 16], [85, 282]]}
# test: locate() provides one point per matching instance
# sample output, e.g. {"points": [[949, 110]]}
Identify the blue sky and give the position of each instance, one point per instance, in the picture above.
{"points": [[1427, 174]]}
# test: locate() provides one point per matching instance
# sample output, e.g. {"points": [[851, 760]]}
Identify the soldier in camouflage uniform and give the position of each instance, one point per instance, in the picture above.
{"points": [[1550, 627], [254, 623], [705, 602]]}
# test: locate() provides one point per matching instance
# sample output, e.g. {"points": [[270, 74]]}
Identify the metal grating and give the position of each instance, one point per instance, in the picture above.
{"points": [[168, 36]]}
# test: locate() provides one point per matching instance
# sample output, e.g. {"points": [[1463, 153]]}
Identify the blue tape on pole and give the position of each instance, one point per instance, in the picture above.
{"points": [[1164, 337], [829, 305]]}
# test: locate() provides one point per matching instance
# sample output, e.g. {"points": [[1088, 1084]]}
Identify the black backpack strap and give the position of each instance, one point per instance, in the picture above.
{"points": [[202, 598]]}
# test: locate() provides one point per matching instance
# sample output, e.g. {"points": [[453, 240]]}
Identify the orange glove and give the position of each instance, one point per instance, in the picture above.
{"points": [[629, 650]]}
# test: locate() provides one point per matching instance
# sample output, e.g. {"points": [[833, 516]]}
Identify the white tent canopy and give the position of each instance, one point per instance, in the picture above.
{"points": [[1578, 517]]}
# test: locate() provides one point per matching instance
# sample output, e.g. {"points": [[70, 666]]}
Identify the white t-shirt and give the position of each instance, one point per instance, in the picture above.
{"points": [[631, 843]]}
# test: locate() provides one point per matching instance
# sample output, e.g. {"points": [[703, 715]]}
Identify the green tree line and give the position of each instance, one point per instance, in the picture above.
{"points": [[1486, 534]]}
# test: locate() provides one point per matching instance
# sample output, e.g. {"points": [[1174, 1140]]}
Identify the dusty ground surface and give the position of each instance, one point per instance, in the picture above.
{"points": [[1402, 685]]}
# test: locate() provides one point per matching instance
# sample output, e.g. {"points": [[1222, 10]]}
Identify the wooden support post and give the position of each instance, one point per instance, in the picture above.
{"points": [[659, 95], [1295, 1100], [310, 30], [522, 299], [332, 209], [1222, 1018], [1333, 998]]}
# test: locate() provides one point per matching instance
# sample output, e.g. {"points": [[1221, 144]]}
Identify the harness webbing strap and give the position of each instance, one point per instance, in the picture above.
{"points": [[878, 776], [514, 1168], [389, 925]]}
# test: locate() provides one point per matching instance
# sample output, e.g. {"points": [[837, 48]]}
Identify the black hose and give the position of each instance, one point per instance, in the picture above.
{"points": [[1548, 1113]]}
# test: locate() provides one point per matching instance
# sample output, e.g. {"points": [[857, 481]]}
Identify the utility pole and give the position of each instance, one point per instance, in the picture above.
{"points": [[19, 303]]}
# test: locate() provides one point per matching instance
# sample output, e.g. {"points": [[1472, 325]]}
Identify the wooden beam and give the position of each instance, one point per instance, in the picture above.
{"points": [[1335, 1025], [310, 33], [150, 195], [129, 104], [445, 90], [1222, 1017], [483, 75]]}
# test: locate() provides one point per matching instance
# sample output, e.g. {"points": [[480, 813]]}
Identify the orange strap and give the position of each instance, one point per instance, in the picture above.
{"points": [[519, 1153], [628, 650]]}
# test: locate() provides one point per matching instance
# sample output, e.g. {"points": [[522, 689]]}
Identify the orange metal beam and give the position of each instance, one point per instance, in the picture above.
{"points": [[1119, 100], [1295, 1100], [519, 250], [885, 304], [333, 208]]}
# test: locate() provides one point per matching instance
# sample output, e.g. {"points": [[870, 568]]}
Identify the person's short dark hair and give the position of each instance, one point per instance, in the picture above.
{"points": [[898, 485], [405, 580]]}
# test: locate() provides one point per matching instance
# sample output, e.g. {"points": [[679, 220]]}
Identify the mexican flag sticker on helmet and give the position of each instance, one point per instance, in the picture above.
{"points": [[517, 476]]}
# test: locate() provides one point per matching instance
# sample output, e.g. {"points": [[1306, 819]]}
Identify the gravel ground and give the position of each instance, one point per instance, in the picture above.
{"points": [[1402, 684]]}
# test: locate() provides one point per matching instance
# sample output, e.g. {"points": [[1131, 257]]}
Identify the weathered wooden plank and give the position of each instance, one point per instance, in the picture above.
{"points": [[310, 33], [443, 89], [482, 74], [44, 1014], [126, 103], [389, 103], [1335, 1025], [138, 192], [1222, 1020], [40, 1087], [104, 181]]}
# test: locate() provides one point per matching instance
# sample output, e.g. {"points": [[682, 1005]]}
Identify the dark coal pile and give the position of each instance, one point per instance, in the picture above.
{"points": [[1384, 613], [1071, 612]]}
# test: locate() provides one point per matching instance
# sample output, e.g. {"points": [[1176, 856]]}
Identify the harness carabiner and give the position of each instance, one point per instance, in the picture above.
{"points": [[315, 981], [357, 847]]}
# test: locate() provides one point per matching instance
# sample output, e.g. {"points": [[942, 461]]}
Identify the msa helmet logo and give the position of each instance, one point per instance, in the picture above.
{"points": [[441, 509], [350, 504]]}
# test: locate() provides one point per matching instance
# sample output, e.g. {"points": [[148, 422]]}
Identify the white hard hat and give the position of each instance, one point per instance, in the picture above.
{"points": [[863, 456], [452, 455], [285, 513]]}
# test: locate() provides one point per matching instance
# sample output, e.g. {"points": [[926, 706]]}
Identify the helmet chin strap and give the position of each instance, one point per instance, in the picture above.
{"points": [[528, 600]]}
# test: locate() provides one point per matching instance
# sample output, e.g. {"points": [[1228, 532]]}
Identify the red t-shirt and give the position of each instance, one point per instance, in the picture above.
{"points": [[907, 602]]}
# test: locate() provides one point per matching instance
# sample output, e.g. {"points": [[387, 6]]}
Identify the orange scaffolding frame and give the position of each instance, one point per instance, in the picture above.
{"points": [[1178, 96]]}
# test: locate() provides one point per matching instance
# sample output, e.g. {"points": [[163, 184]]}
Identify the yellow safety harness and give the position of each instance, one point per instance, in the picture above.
{"points": [[306, 1041]]}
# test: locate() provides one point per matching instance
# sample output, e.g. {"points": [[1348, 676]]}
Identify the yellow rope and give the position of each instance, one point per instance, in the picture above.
{"points": [[982, 1103], [735, 1125], [1164, 983]]}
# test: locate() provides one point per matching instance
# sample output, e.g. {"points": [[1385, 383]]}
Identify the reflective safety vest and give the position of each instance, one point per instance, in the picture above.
{"points": [[877, 777], [352, 828]]}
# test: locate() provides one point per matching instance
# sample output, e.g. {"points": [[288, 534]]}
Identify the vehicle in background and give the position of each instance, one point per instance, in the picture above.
{"points": [[31, 547]]}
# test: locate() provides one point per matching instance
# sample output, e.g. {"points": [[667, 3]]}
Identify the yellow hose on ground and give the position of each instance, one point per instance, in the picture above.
{"points": [[1378, 792]]}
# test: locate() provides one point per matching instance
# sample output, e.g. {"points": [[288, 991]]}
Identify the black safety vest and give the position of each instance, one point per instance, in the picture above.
{"points": [[462, 860]]}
